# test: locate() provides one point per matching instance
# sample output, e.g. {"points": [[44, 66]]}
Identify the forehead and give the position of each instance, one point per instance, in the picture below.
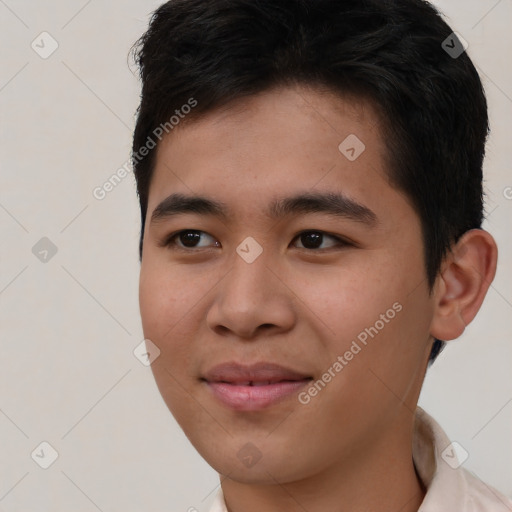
{"points": [[291, 112], [291, 139]]}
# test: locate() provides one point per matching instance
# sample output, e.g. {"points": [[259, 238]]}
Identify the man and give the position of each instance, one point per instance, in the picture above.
{"points": [[310, 181]]}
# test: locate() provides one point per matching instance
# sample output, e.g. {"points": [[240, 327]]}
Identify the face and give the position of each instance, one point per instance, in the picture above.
{"points": [[303, 256]]}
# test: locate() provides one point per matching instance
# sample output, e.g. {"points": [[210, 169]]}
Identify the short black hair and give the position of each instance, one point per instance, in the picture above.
{"points": [[394, 53]]}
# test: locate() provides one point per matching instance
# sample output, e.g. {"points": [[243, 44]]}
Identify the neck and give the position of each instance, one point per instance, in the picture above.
{"points": [[382, 478]]}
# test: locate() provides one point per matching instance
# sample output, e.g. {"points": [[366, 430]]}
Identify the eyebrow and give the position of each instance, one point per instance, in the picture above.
{"points": [[329, 203]]}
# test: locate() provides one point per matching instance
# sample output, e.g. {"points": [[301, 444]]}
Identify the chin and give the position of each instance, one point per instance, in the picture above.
{"points": [[243, 462]]}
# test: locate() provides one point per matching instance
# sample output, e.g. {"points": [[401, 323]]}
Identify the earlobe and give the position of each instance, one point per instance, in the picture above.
{"points": [[461, 286]]}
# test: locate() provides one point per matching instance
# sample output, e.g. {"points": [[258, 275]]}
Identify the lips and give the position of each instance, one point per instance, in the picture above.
{"points": [[254, 375], [254, 387]]}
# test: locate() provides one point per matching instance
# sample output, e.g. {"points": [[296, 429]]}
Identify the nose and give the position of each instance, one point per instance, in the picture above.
{"points": [[251, 300]]}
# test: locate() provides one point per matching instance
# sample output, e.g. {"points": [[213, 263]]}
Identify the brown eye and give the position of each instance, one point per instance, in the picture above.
{"points": [[314, 239], [186, 239], [189, 238]]}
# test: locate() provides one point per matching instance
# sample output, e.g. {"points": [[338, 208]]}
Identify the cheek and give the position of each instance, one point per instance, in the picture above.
{"points": [[155, 303], [165, 296], [384, 304], [345, 299], [172, 310], [166, 301]]}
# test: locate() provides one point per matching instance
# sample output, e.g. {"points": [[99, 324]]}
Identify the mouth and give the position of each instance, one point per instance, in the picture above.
{"points": [[254, 387], [257, 383]]}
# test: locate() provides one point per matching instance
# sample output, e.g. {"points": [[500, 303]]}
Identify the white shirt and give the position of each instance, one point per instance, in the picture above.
{"points": [[450, 488]]}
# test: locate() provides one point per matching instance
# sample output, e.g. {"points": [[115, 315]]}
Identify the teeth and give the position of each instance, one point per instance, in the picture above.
{"points": [[253, 383]]}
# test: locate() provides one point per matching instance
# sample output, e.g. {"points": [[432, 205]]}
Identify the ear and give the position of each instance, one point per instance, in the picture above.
{"points": [[466, 274]]}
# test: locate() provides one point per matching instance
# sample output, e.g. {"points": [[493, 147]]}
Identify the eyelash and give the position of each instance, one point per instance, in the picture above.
{"points": [[170, 241]]}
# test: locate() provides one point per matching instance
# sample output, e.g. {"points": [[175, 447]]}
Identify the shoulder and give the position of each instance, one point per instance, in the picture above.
{"points": [[450, 487], [481, 497]]}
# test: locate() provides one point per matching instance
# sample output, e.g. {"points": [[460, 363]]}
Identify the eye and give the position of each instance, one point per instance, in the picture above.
{"points": [[186, 239], [189, 239], [313, 239]]}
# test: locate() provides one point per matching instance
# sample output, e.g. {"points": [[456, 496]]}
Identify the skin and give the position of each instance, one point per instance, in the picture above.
{"points": [[297, 306]]}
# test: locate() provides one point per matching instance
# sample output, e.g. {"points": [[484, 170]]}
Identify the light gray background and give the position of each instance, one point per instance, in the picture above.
{"points": [[68, 375]]}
